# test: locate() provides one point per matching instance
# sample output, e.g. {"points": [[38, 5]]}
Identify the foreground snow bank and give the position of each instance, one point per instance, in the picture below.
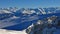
{"points": [[3, 31]]}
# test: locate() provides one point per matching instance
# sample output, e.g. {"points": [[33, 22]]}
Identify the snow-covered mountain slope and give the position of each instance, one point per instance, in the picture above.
{"points": [[4, 11]]}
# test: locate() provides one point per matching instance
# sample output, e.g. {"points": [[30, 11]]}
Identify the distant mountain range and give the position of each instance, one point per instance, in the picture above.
{"points": [[4, 12], [15, 18]]}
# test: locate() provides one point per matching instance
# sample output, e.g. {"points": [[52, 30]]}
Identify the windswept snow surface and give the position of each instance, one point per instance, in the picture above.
{"points": [[3, 31]]}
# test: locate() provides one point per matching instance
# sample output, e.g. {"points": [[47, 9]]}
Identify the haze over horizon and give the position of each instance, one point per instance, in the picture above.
{"points": [[29, 3]]}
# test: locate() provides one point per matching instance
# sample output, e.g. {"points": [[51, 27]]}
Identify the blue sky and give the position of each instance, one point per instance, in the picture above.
{"points": [[29, 3]]}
